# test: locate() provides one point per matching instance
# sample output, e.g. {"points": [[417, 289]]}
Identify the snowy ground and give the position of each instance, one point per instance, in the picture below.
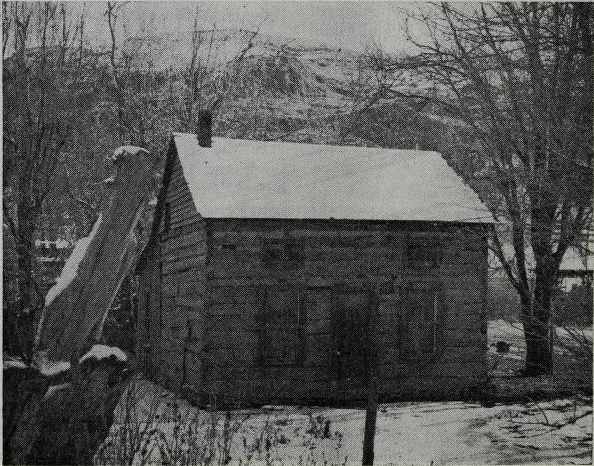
{"points": [[156, 428], [407, 433], [568, 341]]}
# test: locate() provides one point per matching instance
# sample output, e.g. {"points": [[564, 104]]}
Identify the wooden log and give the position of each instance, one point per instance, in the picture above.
{"points": [[179, 265], [194, 240], [196, 304], [180, 209], [178, 195], [178, 255], [186, 221]]}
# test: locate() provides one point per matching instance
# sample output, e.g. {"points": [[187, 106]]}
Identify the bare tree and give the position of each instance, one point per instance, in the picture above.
{"points": [[210, 78], [519, 77], [133, 91], [43, 60]]}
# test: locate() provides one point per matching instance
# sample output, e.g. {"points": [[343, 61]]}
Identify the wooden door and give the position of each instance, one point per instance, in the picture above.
{"points": [[354, 352]]}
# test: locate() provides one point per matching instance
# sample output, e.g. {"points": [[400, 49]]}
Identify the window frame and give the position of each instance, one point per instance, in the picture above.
{"points": [[277, 328], [280, 253], [412, 325], [432, 253]]}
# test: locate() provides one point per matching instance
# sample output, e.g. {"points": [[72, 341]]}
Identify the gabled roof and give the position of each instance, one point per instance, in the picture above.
{"points": [[575, 259], [253, 179]]}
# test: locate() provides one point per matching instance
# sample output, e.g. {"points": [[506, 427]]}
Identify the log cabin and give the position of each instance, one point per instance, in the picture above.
{"points": [[291, 272]]}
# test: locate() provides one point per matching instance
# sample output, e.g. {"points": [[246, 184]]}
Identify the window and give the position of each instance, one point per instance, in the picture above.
{"points": [[282, 327], [281, 253], [424, 254], [420, 323]]}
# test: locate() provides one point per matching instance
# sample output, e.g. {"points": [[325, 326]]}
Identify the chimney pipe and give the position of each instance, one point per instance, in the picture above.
{"points": [[205, 128]]}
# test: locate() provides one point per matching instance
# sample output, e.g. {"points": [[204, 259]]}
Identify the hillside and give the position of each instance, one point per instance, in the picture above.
{"points": [[262, 87], [279, 86]]}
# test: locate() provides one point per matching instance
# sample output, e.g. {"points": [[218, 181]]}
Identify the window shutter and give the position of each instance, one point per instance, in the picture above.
{"points": [[338, 335], [441, 317], [301, 351], [407, 331], [261, 321]]}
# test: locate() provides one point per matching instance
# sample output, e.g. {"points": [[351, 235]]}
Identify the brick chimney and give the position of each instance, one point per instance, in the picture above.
{"points": [[205, 128]]}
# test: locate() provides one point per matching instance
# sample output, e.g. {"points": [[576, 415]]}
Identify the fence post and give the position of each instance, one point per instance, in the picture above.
{"points": [[371, 411], [370, 421]]}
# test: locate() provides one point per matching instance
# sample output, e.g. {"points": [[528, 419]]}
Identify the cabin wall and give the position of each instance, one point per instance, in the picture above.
{"points": [[329, 266], [172, 287], [257, 311]]}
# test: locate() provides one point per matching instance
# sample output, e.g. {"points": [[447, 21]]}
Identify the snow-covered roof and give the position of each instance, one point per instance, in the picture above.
{"points": [[575, 259], [254, 179]]}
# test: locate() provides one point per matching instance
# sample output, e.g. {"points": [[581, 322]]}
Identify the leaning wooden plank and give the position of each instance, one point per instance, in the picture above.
{"points": [[75, 311]]}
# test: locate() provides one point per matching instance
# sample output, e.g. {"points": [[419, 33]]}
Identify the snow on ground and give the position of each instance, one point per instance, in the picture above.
{"points": [[166, 430], [407, 433], [566, 347]]}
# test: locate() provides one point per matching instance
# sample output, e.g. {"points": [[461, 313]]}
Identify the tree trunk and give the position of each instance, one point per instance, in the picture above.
{"points": [[539, 355], [537, 325], [26, 305]]}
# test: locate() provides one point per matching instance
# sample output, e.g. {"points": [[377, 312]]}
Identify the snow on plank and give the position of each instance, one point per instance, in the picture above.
{"points": [[74, 315], [100, 352], [70, 268]]}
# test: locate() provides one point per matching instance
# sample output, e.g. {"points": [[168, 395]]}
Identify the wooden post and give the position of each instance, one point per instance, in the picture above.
{"points": [[371, 411], [370, 421]]}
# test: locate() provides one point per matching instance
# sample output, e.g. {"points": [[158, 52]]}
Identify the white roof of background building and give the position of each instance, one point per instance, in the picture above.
{"points": [[575, 259], [253, 179]]}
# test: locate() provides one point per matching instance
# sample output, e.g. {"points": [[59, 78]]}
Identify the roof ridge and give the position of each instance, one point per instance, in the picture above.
{"points": [[223, 138]]}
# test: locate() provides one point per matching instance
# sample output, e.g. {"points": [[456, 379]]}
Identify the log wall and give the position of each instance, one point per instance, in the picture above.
{"points": [[208, 284], [324, 258], [172, 284]]}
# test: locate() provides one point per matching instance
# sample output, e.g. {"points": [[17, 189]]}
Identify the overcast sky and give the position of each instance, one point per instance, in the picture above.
{"points": [[344, 24]]}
